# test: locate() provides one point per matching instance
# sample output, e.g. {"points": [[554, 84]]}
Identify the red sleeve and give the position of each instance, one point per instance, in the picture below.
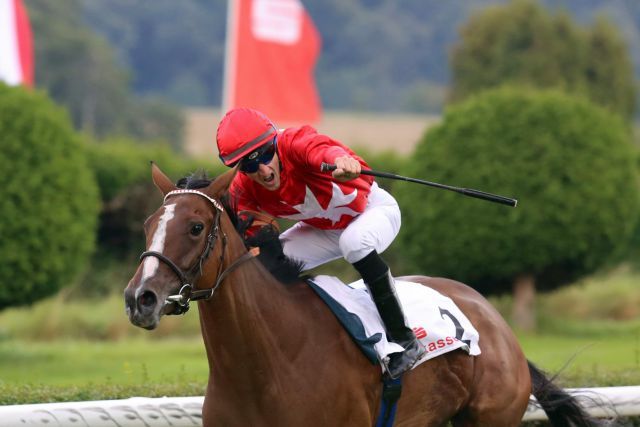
{"points": [[310, 148], [242, 197]]}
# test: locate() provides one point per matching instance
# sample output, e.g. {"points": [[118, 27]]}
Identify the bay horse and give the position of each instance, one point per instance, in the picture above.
{"points": [[278, 356]]}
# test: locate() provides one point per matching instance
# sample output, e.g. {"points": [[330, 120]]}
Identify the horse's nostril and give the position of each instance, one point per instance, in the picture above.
{"points": [[147, 299], [129, 301]]}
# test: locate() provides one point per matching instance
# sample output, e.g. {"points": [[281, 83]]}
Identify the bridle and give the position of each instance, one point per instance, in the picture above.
{"points": [[187, 292]]}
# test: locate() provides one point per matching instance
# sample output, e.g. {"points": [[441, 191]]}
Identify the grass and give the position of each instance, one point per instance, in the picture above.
{"points": [[18, 394], [126, 362], [72, 370], [102, 319], [33, 372], [76, 350], [586, 362]]}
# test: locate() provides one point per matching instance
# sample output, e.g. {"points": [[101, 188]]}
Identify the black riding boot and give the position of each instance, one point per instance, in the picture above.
{"points": [[376, 276]]}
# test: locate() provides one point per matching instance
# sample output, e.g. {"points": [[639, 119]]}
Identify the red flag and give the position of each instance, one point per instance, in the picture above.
{"points": [[272, 46], [16, 46]]}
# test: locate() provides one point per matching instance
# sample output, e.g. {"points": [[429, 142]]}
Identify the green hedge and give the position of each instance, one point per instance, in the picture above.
{"points": [[49, 200], [571, 165], [525, 43], [123, 172], [121, 163]]}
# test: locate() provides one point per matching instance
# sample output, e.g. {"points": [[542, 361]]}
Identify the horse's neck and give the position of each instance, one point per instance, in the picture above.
{"points": [[246, 323]]}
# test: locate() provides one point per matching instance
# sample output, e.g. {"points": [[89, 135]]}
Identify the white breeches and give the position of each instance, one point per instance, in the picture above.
{"points": [[373, 229]]}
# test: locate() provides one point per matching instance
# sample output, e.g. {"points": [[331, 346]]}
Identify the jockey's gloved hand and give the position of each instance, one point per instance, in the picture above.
{"points": [[267, 239], [272, 256], [244, 226]]}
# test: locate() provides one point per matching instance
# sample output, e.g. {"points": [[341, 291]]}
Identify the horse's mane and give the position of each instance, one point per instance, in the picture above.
{"points": [[283, 268]]}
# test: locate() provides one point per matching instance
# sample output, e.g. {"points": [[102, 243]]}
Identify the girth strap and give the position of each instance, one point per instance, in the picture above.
{"points": [[391, 391]]}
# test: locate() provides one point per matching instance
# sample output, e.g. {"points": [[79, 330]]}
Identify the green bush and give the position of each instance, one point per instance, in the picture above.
{"points": [[570, 164], [523, 43], [60, 319], [49, 201], [122, 163], [123, 172]]}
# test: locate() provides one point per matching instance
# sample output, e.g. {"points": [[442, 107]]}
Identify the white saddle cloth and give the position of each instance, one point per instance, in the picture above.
{"points": [[436, 320]]}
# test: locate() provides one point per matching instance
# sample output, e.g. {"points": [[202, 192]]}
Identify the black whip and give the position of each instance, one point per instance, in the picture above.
{"points": [[326, 167]]}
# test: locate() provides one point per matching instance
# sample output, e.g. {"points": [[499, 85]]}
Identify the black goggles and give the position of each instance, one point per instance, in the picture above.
{"points": [[263, 155]]}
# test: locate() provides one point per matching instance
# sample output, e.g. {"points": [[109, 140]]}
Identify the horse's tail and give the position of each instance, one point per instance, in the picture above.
{"points": [[562, 409]]}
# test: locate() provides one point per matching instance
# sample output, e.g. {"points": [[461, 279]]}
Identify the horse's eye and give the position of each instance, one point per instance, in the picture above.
{"points": [[196, 229]]}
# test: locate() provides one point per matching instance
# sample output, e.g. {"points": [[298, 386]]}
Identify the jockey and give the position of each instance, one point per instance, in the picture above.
{"points": [[343, 216]]}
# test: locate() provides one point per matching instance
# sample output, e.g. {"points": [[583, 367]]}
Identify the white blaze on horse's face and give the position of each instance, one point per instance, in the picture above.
{"points": [[151, 264]]}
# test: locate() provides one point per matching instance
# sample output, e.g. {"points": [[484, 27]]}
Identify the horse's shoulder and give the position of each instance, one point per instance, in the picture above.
{"points": [[302, 292]]}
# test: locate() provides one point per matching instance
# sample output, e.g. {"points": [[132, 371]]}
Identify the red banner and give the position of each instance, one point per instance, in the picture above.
{"points": [[16, 46], [272, 46]]}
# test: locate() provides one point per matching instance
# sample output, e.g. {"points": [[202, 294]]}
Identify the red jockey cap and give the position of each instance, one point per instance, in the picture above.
{"points": [[241, 131]]}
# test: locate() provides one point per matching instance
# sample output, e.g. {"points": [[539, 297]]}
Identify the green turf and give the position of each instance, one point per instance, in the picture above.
{"points": [[127, 362], [584, 361], [30, 371]]}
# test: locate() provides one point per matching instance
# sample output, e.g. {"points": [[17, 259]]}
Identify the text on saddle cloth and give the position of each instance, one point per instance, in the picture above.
{"points": [[437, 322]]}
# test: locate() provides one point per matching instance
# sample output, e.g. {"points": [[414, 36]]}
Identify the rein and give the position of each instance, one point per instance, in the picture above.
{"points": [[187, 292]]}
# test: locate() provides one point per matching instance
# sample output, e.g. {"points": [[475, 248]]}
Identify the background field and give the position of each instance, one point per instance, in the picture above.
{"points": [[373, 131]]}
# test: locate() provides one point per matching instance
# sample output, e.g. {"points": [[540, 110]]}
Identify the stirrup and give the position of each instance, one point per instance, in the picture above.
{"points": [[402, 362]]}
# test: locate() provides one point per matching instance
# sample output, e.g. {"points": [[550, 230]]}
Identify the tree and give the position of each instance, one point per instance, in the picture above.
{"points": [[79, 70], [571, 165], [49, 202], [176, 48], [404, 69], [609, 71], [521, 43]]}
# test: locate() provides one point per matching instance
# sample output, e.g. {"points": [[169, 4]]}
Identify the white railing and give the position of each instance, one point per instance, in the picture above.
{"points": [[134, 412], [600, 402], [186, 411]]}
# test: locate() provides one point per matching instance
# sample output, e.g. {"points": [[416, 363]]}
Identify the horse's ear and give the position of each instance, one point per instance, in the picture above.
{"points": [[161, 180], [221, 184]]}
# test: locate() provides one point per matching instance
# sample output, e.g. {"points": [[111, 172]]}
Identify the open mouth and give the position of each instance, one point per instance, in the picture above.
{"points": [[270, 178], [149, 323]]}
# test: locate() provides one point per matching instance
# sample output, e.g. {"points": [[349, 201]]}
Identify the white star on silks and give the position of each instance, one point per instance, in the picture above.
{"points": [[310, 208]]}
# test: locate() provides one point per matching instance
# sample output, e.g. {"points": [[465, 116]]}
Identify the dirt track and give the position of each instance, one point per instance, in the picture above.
{"points": [[377, 132]]}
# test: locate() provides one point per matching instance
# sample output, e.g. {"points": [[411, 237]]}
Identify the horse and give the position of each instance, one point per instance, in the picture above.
{"points": [[277, 355]]}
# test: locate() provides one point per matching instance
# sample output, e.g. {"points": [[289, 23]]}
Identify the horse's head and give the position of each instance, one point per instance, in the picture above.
{"points": [[180, 236]]}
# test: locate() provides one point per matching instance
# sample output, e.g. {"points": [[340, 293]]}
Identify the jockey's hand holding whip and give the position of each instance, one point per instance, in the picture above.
{"points": [[347, 168]]}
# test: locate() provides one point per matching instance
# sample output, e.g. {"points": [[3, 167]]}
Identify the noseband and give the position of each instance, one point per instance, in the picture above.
{"points": [[187, 292]]}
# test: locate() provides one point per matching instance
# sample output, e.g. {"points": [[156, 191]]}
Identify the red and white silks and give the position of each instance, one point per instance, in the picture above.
{"points": [[16, 46], [272, 46]]}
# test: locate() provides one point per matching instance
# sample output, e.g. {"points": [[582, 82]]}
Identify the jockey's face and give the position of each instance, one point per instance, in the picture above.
{"points": [[267, 175]]}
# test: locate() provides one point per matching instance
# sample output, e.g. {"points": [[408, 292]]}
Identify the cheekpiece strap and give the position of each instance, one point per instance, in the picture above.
{"points": [[213, 201]]}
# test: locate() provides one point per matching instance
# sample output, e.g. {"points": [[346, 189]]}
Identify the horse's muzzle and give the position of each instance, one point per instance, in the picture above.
{"points": [[143, 309]]}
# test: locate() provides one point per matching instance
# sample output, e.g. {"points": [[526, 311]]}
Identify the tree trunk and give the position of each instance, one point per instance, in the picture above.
{"points": [[524, 296]]}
